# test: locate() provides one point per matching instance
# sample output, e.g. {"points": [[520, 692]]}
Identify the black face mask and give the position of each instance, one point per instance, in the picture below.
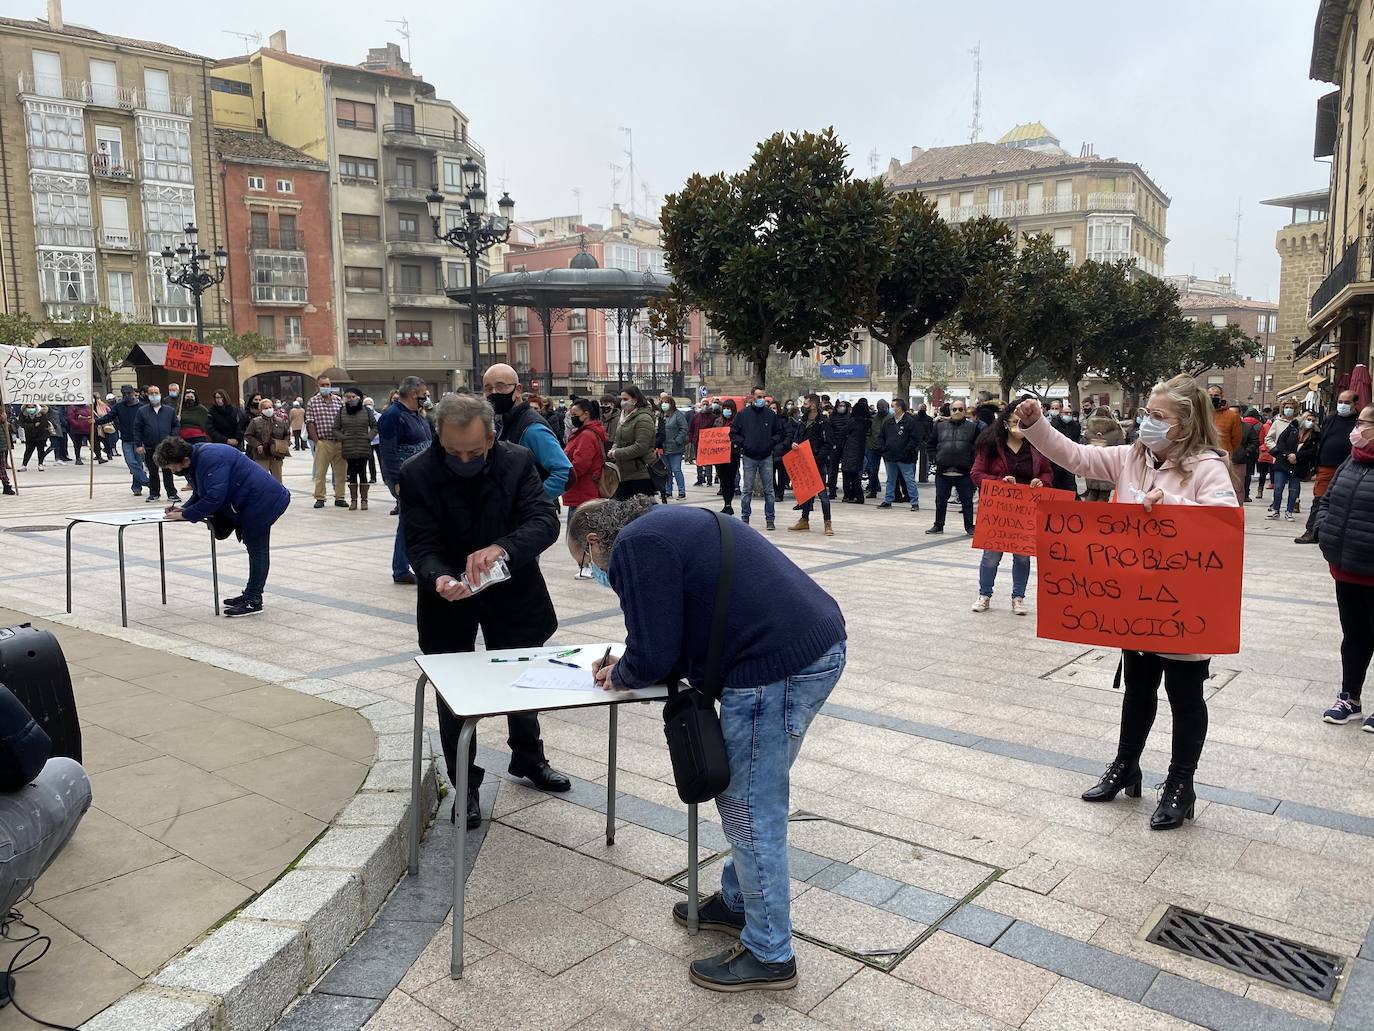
{"points": [[501, 404], [1218, 403], [576, 421], [467, 469], [353, 406]]}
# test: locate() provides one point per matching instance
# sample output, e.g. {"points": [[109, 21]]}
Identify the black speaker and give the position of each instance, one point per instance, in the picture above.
{"points": [[33, 667]]}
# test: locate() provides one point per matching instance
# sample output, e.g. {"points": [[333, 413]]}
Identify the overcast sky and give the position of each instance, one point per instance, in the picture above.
{"points": [[1210, 97]]}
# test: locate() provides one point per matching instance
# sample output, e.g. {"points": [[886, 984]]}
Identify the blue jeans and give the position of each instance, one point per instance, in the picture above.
{"points": [[259, 561], [675, 473], [987, 573], [944, 486], [762, 468], [135, 463], [872, 458], [807, 508], [1294, 485], [763, 728], [907, 471]]}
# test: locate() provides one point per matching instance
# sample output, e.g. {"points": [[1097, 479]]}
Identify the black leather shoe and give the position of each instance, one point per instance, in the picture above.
{"points": [[541, 775], [403, 578], [474, 817], [319, 503], [1120, 776], [936, 529], [712, 915], [737, 970], [1176, 803], [1306, 538]]}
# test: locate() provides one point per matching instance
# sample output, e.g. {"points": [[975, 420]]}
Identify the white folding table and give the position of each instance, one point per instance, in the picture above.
{"points": [[475, 685], [124, 520]]}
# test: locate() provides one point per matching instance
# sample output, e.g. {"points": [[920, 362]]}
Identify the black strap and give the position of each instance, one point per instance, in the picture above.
{"points": [[713, 683]]}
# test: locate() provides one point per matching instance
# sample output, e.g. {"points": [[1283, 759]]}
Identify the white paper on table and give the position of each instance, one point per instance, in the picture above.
{"points": [[556, 678]]}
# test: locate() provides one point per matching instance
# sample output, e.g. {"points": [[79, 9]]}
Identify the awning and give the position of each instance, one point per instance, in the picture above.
{"points": [[1307, 384], [1324, 360], [156, 354], [1308, 344]]}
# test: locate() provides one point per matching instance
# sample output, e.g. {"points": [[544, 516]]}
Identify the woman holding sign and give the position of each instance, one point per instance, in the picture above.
{"points": [[1002, 453], [1177, 460]]}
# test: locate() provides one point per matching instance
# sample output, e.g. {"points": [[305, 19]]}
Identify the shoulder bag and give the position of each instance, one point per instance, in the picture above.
{"points": [[696, 746]]}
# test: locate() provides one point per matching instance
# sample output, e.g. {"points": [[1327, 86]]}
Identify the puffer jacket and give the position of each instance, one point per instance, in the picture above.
{"points": [[354, 431], [228, 481], [1102, 430], [1345, 521], [954, 445], [674, 433], [634, 444], [586, 451], [35, 422]]}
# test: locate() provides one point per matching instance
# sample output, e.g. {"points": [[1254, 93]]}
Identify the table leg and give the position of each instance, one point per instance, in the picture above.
{"points": [[214, 569], [413, 861], [70, 526], [610, 777], [123, 599], [162, 562], [693, 921], [460, 835]]}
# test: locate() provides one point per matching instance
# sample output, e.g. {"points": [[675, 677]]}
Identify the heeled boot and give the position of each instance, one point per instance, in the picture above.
{"points": [[362, 492], [353, 497], [1177, 799], [1122, 775]]}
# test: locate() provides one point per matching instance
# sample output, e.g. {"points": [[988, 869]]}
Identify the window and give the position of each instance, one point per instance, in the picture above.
{"points": [[240, 89], [171, 304], [291, 332], [1269, 351], [965, 202], [62, 210], [255, 182], [358, 278], [1256, 387], [166, 210], [408, 227], [621, 256], [989, 364], [942, 206], [995, 201], [652, 261], [1063, 236], [453, 176], [404, 115], [119, 292], [258, 235], [579, 351], [1035, 198], [405, 173], [56, 136], [366, 333], [1219, 321], [1269, 382], [453, 219], [114, 223], [408, 281], [289, 238], [354, 114], [47, 73], [104, 84], [361, 228], [1109, 239], [279, 278], [412, 334], [157, 92], [889, 365], [109, 153], [522, 354], [67, 277], [455, 275], [358, 168], [267, 326], [164, 149], [286, 186]]}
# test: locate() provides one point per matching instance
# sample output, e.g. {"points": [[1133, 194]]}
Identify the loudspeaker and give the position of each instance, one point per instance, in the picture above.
{"points": [[33, 667]]}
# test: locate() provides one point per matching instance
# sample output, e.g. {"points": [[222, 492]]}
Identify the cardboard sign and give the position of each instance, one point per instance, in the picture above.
{"points": [[801, 467], [1007, 515], [713, 446], [1116, 576], [45, 375], [189, 357]]}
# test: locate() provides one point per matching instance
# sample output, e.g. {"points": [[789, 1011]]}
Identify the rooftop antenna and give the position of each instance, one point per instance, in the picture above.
{"points": [[253, 38], [975, 128], [577, 196], [630, 153], [1235, 261], [615, 182], [648, 198], [873, 163], [403, 32]]}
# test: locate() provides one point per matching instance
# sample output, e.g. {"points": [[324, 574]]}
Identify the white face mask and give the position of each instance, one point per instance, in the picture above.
{"points": [[1154, 434], [1288, 413]]}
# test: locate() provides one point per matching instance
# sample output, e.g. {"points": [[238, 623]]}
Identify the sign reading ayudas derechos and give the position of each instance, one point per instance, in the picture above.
{"points": [[45, 375], [1116, 576]]}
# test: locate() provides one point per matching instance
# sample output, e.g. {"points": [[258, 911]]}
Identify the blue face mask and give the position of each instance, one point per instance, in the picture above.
{"points": [[759, 402], [601, 576], [465, 469], [326, 391]]}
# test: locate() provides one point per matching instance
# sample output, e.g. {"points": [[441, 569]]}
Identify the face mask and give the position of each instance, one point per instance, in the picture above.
{"points": [[353, 406], [956, 415], [173, 394], [728, 413], [715, 408], [627, 405], [759, 402], [601, 576], [426, 402], [369, 407], [1288, 413], [1357, 437], [664, 407], [501, 404], [1307, 424], [1070, 418], [267, 412], [326, 391], [1218, 403], [467, 469], [576, 421], [1154, 434], [1344, 408], [190, 399], [155, 399], [1137, 420]]}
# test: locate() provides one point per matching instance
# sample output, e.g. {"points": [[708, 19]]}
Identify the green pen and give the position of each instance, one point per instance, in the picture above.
{"points": [[532, 658]]}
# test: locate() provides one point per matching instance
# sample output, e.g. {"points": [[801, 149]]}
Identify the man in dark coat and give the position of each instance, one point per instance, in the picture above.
{"points": [[927, 435], [1063, 419], [153, 423], [468, 502], [954, 439]]}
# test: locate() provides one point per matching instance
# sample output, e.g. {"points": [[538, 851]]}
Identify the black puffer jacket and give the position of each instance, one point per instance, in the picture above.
{"points": [[855, 438], [954, 445], [821, 433], [1345, 524]]}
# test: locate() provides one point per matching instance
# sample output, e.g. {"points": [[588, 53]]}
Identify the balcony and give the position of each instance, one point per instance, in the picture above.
{"points": [[68, 311], [116, 238], [577, 321], [284, 290], [421, 243], [404, 134], [288, 347], [413, 297], [963, 370], [65, 236], [520, 327], [163, 103], [117, 98], [1353, 269], [107, 166], [404, 191], [52, 87], [280, 240], [1111, 202], [1027, 208], [577, 369]]}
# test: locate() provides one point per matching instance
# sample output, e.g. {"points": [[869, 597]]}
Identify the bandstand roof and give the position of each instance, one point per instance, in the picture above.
{"points": [[570, 288]]}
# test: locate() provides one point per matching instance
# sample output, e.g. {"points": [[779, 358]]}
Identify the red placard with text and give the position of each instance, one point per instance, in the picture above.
{"points": [[188, 357], [801, 468], [1007, 515], [1116, 576], [713, 446]]}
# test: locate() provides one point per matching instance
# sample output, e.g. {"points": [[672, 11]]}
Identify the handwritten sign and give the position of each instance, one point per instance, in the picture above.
{"points": [[188, 357], [801, 467], [1007, 515], [45, 375], [1117, 576], [713, 446]]}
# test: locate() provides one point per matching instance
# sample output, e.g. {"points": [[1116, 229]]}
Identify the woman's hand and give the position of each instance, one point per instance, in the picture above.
{"points": [[601, 672], [1036, 483], [611, 454], [1008, 479], [1153, 498], [1028, 411]]}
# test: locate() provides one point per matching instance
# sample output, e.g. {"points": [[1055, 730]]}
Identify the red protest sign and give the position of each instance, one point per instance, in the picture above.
{"points": [[713, 446], [1007, 515], [187, 356], [801, 467], [1117, 576]]}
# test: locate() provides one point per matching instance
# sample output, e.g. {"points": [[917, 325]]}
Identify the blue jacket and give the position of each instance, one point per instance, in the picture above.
{"points": [[226, 480], [126, 416], [537, 436], [401, 434], [756, 431], [151, 426]]}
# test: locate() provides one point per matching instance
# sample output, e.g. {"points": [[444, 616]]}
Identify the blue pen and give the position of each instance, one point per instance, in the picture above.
{"points": [[570, 665]]}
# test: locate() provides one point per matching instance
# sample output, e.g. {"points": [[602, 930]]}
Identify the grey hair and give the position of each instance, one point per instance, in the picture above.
{"points": [[409, 385], [606, 519], [462, 409]]}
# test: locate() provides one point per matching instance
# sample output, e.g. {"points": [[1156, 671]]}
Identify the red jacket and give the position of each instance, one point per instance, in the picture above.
{"points": [[991, 463], [1264, 455], [587, 451], [700, 421]]}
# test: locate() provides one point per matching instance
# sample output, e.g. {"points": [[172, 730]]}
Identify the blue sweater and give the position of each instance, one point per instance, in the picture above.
{"points": [[401, 435], [664, 568], [226, 480]]}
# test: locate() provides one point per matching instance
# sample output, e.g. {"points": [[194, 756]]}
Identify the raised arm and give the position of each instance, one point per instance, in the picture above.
{"points": [[1094, 463]]}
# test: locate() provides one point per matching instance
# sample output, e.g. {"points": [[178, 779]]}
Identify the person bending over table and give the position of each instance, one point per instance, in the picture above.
{"points": [[779, 664], [467, 501], [237, 495]]}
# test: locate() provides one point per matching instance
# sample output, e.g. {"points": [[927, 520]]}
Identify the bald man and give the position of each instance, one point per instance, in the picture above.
{"points": [[518, 423]]}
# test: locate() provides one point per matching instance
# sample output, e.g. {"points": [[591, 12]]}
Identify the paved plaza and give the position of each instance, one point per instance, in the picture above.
{"points": [[945, 875]]}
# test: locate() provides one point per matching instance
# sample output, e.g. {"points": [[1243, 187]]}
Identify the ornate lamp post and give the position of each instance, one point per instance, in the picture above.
{"points": [[475, 234], [189, 267]]}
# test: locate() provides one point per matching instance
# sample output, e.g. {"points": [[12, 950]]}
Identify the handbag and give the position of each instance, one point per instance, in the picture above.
{"points": [[281, 447], [696, 746], [658, 473]]}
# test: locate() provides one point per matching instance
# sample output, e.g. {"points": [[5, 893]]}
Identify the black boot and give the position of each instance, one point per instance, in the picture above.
{"points": [[1121, 776], [1176, 802]]}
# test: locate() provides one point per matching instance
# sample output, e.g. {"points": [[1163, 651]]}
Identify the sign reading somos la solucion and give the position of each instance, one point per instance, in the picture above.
{"points": [[45, 375]]}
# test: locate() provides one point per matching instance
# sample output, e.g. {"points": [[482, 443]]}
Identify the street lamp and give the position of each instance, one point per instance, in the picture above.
{"points": [[475, 234], [188, 266]]}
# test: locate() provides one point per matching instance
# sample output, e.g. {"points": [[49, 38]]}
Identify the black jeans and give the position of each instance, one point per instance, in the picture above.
{"points": [[1183, 683], [944, 486], [630, 488], [259, 563], [1065, 480], [1249, 475], [727, 475], [372, 460], [1355, 603], [1263, 473], [357, 470], [31, 446], [781, 481], [168, 484]]}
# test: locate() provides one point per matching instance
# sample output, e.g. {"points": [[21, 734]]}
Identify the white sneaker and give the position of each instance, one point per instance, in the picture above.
{"points": [[1018, 606], [1271, 514], [1288, 516], [981, 605]]}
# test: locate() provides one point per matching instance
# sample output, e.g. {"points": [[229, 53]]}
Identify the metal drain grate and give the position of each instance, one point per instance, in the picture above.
{"points": [[1288, 964]]}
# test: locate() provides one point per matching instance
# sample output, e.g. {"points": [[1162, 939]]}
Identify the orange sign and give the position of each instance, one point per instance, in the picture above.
{"points": [[1006, 515], [1116, 576], [189, 357], [801, 467], [713, 446]]}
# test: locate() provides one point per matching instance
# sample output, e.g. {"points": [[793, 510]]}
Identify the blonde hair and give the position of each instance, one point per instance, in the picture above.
{"points": [[1199, 430]]}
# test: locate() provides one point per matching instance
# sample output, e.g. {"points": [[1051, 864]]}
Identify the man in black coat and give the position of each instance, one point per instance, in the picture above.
{"points": [[899, 442], [1063, 419], [467, 503], [154, 423], [954, 439], [927, 434]]}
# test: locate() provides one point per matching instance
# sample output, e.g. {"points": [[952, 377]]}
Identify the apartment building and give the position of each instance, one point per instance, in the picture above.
{"points": [[105, 157], [386, 140], [1254, 382]]}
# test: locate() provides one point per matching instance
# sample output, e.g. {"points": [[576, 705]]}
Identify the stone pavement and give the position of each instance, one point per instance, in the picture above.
{"points": [[946, 876]]}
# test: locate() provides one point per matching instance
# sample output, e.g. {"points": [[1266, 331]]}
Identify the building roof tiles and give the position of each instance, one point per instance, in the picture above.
{"points": [[82, 32]]}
